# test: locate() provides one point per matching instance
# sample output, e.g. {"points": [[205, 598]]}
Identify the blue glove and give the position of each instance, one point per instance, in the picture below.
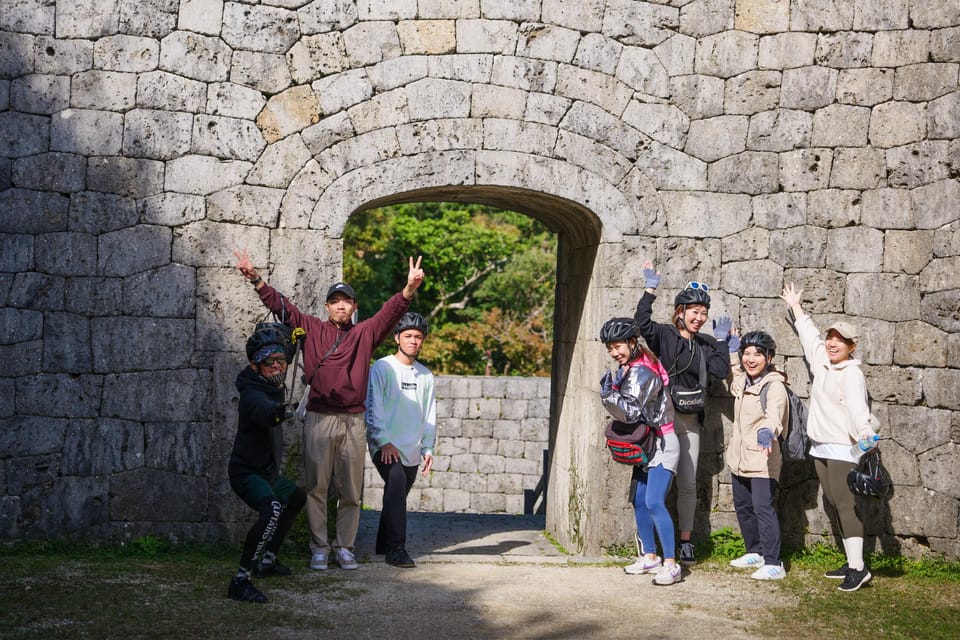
{"points": [[722, 327], [733, 344], [606, 384], [618, 376], [651, 279], [765, 438]]}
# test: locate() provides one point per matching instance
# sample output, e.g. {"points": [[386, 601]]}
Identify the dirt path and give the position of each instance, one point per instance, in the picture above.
{"points": [[499, 577], [483, 600]]}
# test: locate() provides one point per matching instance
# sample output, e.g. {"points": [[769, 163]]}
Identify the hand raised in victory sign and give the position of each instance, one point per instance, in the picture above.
{"points": [[414, 278], [245, 265]]}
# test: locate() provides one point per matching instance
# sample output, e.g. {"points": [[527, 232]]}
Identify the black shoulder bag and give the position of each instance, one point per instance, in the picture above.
{"points": [[690, 400]]}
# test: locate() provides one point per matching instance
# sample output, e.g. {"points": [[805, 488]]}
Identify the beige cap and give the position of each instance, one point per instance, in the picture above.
{"points": [[845, 329]]}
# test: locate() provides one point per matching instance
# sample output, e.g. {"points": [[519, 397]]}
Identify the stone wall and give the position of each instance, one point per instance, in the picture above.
{"points": [[746, 143], [492, 435]]}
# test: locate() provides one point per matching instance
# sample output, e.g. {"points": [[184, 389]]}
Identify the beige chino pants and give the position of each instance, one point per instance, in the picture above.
{"points": [[334, 447]]}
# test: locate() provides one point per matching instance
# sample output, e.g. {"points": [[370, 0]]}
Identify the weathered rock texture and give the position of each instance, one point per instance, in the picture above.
{"points": [[742, 142]]}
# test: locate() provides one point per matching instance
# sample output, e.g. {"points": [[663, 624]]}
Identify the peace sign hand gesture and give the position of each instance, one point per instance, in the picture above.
{"points": [[414, 278]]}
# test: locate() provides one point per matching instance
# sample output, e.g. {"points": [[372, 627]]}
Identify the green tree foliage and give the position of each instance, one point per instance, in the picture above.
{"points": [[489, 290]]}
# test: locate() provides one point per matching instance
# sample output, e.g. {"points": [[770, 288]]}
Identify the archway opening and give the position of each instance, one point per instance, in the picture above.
{"points": [[508, 424]]}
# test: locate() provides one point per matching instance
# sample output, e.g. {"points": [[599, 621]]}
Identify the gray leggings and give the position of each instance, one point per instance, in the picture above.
{"points": [[687, 427], [833, 480]]}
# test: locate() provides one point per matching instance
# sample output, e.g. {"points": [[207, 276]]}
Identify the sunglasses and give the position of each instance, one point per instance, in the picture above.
{"points": [[697, 285], [269, 362]]}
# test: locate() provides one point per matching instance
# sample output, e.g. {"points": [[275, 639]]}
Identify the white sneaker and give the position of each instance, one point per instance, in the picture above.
{"points": [[747, 560], [668, 574], [643, 565], [319, 561], [346, 560], [769, 572]]}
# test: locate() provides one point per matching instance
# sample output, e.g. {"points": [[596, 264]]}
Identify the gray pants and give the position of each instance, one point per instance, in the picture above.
{"points": [[687, 427]]}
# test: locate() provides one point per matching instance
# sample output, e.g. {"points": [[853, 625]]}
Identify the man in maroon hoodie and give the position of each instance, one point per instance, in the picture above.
{"points": [[336, 362]]}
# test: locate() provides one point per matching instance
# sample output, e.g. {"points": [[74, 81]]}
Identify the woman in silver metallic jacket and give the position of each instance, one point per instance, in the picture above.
{"points": [[634, 394]]}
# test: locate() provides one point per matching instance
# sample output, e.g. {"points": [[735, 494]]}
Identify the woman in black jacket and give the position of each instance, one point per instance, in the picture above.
{"points": [[689, 357]]}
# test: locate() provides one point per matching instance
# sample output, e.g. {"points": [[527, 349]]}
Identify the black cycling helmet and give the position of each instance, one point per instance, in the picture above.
{"points": [[267, 334], [692, 296], [761, 341], [867, 480], [412, 320], [618, 329]]}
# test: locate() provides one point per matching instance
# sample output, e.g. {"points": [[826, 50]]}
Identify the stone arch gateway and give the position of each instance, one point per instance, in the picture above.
{"points": [[743, 142]]}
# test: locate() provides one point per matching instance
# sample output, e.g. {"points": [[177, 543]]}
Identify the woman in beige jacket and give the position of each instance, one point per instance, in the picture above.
{"points": [[754, 453]]}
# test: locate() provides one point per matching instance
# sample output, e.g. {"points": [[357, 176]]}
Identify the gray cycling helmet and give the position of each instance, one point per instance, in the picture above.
{"points": [[412, 320], [618, 329], [761, 341], [692, 296]]}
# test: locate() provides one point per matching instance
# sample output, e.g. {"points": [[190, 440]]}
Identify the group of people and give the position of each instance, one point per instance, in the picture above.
{"points": [[351, 408], [660, 384], [660, 387]]}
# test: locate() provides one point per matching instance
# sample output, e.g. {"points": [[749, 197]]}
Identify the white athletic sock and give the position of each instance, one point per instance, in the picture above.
{"points": [[854, 549]]}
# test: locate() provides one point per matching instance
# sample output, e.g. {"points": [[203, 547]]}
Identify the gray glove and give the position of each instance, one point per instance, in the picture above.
{"points": [[722, 327], [733, 344], [651, 279], [765, 438]]}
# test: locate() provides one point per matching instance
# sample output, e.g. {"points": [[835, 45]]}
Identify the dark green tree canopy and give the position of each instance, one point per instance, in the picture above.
{"points": [[489, 290]]}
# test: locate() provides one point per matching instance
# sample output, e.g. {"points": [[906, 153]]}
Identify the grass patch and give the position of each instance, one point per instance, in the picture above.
{"points": [[149, 588], [906, 599], [144, 589]]}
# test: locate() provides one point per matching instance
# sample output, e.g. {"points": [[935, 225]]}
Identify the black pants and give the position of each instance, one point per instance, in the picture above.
{"points": [[397, 479], [759, 526], [277, 505]]}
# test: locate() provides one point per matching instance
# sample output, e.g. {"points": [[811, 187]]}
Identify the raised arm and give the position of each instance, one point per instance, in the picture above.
{"points": [[791, 295], [414, 278]]}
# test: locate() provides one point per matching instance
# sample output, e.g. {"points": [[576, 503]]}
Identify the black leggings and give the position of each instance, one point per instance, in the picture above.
{"points": [[271, 527]]}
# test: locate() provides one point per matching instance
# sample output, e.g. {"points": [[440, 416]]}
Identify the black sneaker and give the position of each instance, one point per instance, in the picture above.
{"points": [[243, 590], [261, 570], [838, 574], [687, 557], [855, 579], [398, 557]]}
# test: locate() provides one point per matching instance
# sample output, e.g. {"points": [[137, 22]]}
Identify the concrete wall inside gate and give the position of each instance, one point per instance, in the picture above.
{"points": [[743, 142]]}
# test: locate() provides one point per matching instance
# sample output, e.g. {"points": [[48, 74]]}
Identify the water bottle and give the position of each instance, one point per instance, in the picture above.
{"points": [[862, 446]]}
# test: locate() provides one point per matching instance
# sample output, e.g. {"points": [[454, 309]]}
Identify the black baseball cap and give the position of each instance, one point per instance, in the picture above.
{"points": [[341, 287]]}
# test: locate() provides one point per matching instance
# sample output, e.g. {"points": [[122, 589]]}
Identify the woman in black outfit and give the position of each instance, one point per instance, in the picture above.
{"points": [[689, 356]]}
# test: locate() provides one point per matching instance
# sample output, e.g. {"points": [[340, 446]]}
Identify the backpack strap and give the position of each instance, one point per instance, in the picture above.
{"points": [[703, 368]]}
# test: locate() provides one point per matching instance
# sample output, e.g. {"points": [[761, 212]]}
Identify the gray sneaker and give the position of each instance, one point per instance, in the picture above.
{"points": [[345, 558], [687, 557], [319, 561], [668, 574]]}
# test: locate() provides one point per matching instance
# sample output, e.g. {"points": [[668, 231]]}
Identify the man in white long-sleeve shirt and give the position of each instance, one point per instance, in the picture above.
{"points": [[401, 422]]}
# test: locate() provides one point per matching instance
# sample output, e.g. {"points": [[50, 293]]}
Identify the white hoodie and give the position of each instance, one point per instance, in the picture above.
{"points": [[839, 414]]}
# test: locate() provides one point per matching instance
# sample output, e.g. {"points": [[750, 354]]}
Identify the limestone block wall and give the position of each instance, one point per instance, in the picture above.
{"points": [[741, 142], [492, 434]]}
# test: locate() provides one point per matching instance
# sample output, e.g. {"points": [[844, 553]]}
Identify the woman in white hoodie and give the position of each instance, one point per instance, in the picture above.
{"points": [[839, 417]]}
